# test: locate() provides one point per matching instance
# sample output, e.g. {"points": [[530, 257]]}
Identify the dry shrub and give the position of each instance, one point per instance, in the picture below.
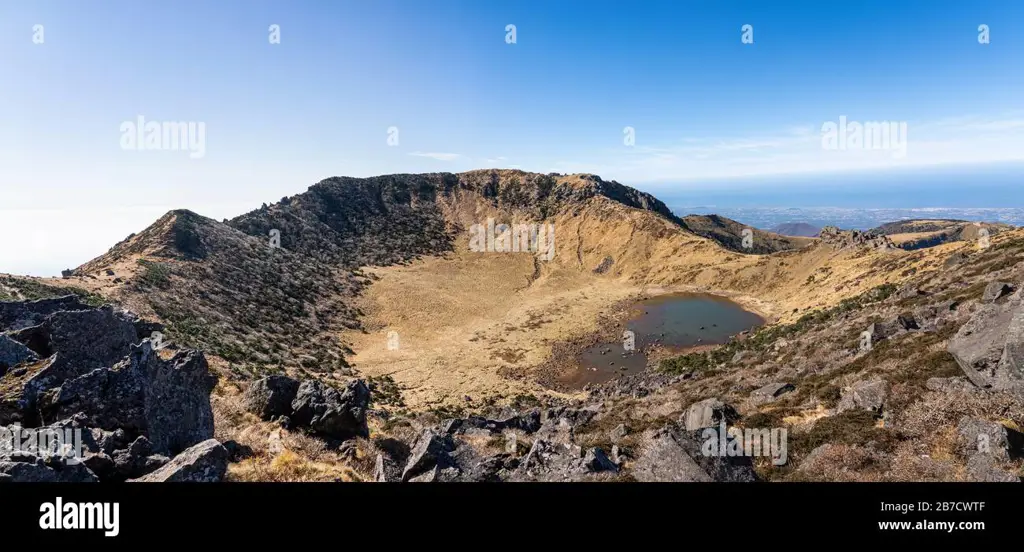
{"points": [[844, 463]]}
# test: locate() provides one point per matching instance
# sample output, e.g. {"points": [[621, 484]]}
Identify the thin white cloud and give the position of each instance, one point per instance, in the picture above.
{"points": [[437, 156], [799, 149]]}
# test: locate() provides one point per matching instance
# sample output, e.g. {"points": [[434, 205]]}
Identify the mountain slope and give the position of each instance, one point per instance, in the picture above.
{"points": [[729, 234], [468, 322]]}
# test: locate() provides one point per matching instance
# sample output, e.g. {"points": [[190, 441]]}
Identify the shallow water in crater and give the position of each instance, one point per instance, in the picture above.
{"points": [[675, 322]]}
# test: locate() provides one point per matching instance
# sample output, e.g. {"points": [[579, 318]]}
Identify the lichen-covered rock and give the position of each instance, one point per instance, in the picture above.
{"points": [[206, 462]]}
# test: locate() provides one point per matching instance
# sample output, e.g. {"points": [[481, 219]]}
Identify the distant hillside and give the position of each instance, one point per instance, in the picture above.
{"points": [[924, 233], [798, 229], [729, 234]]}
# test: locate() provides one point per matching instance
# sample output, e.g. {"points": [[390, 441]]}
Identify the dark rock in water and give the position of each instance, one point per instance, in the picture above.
{"points": [[429, 454], [708, 413], [673, 456], [271, 396], [330, 412], [168, 401], [995, 291], [206, 462]]}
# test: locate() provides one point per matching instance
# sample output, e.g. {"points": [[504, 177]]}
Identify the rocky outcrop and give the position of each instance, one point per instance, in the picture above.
{"points": [[168, 401], [868, 395], [271, 396], [674, 456], [429, 456], [206, 462], [121, 410], [708, 413], [330, 412], [841, 239], [990, 346], [13, 353]]}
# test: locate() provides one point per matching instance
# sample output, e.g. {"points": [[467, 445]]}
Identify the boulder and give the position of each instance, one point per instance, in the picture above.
{"points": [[428, 455], [270, 396], [136, 460], [167, 401], [668, 455], [13, 353], [708, 413], [990, 346], [983, 468], [977, 436], [16, 315], [868, 395], [206, 462], [995, 291], [79, 341], [385, 470], [28, 469], [597, 461], [330, 412]]}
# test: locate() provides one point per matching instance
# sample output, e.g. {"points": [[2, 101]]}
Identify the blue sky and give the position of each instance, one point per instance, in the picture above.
{"points": [[279, 117]]}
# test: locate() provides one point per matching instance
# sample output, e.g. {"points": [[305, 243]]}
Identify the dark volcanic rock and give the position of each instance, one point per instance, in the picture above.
{"points": [[168, 401], [81, 341], [673, 456], [271, 396], [990, 347], [334, 413], [22, 314], [597, 461], [13, 353], [38, 472], [206, 462], [428, 455]]}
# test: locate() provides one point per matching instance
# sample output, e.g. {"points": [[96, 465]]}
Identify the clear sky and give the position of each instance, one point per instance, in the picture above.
{"points": [[279, 117]]}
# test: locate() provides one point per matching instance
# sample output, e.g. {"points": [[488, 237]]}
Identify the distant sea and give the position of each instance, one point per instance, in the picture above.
{"points": [[991, 193]]}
